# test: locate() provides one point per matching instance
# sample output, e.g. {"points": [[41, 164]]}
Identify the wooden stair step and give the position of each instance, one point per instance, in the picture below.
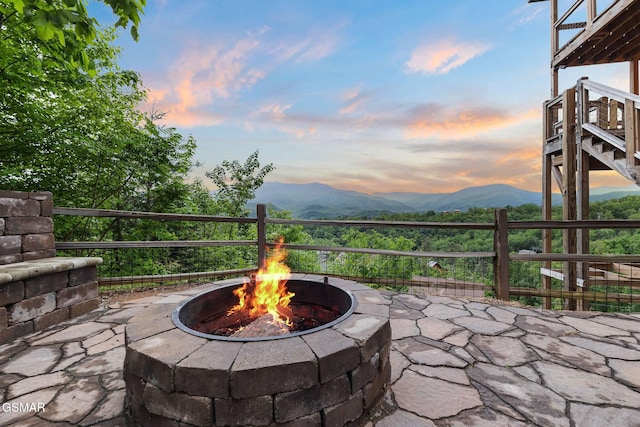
{"points": [[598, 146]]}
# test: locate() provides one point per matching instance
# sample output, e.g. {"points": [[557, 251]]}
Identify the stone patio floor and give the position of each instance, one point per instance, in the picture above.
{"points": [[455, 362]]}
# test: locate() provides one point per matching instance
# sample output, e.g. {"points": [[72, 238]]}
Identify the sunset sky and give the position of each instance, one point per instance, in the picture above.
{"points": [[374, 96]]}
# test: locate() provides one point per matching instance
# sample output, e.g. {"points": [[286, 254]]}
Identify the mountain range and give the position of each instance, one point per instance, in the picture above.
{"points": [[316, 200]]}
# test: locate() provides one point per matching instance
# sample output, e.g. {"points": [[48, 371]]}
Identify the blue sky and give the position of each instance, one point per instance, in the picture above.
{"points": [[373, 96]]}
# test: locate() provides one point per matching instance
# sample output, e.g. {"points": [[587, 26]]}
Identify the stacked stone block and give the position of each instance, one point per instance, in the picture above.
{"points": [[331, 377], [38, 289], [26, 226]]}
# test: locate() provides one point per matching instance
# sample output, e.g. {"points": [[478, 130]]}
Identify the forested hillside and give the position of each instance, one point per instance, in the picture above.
{"points": [[606, 241]]}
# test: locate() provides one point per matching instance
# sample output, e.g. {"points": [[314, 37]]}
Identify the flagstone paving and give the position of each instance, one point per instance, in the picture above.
{"points": [[455, 362]]}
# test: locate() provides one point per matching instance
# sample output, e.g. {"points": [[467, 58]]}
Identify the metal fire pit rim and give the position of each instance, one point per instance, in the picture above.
{"points": [[175, 315]]}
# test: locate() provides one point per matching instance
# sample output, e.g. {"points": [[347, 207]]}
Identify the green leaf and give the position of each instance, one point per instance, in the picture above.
{"points": [[60, 35], [85, 59], [91, 69], [18, 5], [39, 18], [122, 22], [46, 31], [134, 33]]}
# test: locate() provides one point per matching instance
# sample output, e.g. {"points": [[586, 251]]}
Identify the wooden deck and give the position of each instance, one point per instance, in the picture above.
{"points": [[611, 36]]}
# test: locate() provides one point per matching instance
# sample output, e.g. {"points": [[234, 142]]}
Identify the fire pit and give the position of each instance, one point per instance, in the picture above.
{"points": [[313, 307], [187, 364]]}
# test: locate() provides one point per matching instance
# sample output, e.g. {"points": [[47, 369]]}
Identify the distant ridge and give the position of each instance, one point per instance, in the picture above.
{"points": [[317, 200], [487, 196]]}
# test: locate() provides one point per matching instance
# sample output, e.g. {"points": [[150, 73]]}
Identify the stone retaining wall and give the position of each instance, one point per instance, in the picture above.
{"points": [[26, 226], [38, 289]]}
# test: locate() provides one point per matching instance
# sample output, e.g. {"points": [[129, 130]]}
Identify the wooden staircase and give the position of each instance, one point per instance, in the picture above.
{"points": [[590, 126], [605, 124], [610, 155]]}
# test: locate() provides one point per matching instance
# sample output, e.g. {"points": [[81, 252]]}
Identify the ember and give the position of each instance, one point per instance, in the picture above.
{"points": [[261, 327], [239, 324]]}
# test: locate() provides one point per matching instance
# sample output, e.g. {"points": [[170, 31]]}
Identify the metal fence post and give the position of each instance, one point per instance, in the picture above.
{"points": [[261, 215], [501, 260]]}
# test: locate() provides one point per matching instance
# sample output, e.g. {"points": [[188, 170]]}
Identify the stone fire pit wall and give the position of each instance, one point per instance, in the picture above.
{"points": [[329, 377], [38, 289]]}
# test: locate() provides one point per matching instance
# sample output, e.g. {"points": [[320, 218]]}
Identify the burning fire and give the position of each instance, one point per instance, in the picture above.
{"points": [[268, 294]]}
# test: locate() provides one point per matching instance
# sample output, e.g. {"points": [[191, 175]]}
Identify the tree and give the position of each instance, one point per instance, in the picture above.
{"points": [[237, 183], [83, 137], [373, 266], [78, 134], [70, 124], [61, 29]]}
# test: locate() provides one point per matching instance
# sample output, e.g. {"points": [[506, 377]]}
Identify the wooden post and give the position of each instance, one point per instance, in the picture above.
{"points": [[569, 189], [261, 215], [634, 85], [547, 166], [602, 113], [630, 131], [582, 158], [583, 235], [555, 45], [501, 261], [591, 12], [613, 114]]}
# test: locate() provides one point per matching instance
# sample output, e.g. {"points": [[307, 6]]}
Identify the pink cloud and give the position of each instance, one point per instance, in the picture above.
{"points": [[525, 14], [443, 56], [203, 75], [276, 116], [319, 44], [357, 114], [530, 155], [275, 111], [353, 99], [319, 49], [440, 121]]}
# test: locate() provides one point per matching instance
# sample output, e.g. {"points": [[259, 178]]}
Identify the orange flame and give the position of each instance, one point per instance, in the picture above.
{"points": [[269, 294]]}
